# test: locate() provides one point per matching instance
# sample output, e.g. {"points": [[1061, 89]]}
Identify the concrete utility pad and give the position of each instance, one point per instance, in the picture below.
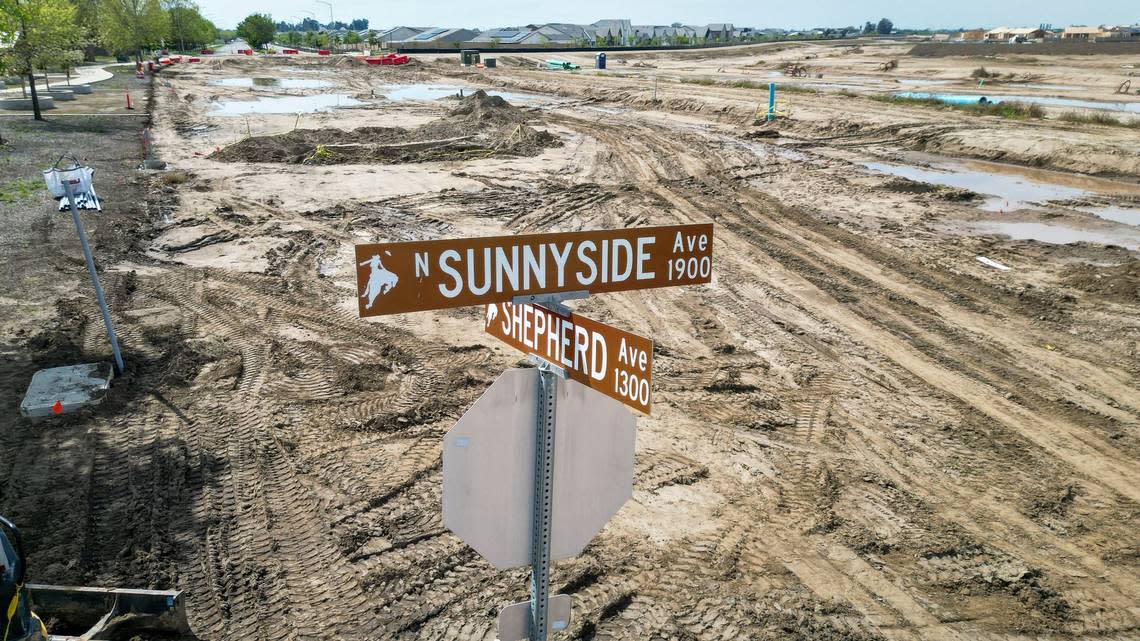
{"points": [[73, 386]]}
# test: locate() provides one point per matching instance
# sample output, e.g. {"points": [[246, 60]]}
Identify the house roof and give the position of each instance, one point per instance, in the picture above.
{"points": [[1082, 29], [509, 35], [615, 28]]}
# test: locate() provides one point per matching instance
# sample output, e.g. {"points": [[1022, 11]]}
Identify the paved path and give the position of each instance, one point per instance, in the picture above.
{"points": [[80, 76]]}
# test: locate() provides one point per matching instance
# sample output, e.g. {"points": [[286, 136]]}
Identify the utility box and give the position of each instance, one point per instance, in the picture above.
{"points": [[600, 61], [490, 63], [468, 57]]}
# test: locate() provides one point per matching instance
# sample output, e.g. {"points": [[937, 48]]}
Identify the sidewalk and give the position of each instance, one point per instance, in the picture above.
{"points": [[79, 76]]}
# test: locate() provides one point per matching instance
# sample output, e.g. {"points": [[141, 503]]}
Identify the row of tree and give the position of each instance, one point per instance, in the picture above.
{"points": [[48, 35], [311, 24]]}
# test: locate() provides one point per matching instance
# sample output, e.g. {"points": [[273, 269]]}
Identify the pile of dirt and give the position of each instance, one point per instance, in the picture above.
{"points": [[479, 126], [480, 107], [1120, 283]]}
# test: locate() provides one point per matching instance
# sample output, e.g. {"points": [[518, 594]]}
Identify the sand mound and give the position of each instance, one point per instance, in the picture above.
{"points": [[479, 126], [482, 108]]}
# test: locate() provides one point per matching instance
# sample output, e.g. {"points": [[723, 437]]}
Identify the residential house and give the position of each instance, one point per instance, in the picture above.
{"points": [[441, 37], [1091, 34], [719, 32], [558, 33], [1007, 34], [1121, 32], [398, 34], [973, 35], [644, 34], [505, 35], [613, 32]]}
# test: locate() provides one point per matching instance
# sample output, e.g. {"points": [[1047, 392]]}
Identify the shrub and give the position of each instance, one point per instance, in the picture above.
{"points": [[1097, 118]]}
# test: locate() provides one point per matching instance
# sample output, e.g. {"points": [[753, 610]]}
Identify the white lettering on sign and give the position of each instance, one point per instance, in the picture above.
{"points": [[499, 269], [394, 278], [614, 362]]}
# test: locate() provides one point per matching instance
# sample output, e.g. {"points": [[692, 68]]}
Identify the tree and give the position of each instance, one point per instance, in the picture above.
{"points": [[885, 27], [257, 29], [373, 40], [44, 30], [188, 26], [293, 38], [869, 27], [351, 38], [132, 25]]}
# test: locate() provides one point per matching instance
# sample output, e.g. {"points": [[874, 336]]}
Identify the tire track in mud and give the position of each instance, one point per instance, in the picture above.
{"points": [[752, 228]]}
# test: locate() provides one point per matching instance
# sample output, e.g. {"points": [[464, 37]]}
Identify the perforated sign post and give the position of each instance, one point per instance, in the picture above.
{"points": [[502, 456]]}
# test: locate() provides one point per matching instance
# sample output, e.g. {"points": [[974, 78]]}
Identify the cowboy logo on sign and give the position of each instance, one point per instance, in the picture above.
{"points": [[380, 280]]}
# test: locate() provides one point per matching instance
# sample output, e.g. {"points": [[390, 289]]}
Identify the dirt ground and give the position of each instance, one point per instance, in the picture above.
{"points": [[861, 431]]}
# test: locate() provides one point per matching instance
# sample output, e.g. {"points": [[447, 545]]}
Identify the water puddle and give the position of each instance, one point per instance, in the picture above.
{"points": [[1116, 214], [428, 92], [1006, 192], [1033, 85], [923, 83], [277, 83], [1055, 234], [284, 104], [965, 99]]}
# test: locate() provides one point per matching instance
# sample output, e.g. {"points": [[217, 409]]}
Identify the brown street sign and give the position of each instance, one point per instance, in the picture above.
{"points": [[609, 360], [395, 278]]}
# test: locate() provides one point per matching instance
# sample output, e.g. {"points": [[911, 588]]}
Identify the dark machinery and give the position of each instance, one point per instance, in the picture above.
{"points": [[84, 614]]}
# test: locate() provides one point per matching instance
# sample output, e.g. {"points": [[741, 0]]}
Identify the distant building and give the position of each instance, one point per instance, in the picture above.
{"points": [[1121, 32], [973, 35], [613, 32], [398, 34], [940, 37], [442, 37], [1007, 34], [1091, 34], [662, 33], [563, 34], [504, 35], [719, 32]]}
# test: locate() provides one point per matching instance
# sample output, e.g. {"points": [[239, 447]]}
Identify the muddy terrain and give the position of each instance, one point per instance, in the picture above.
{"points": [[907, 407]]}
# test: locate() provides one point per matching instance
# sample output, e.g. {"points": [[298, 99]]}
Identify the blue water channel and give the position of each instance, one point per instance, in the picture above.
{"points": [[968, 99]]}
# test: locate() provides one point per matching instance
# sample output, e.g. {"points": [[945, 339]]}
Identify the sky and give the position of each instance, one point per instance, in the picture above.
{"points": [[789, 15]]}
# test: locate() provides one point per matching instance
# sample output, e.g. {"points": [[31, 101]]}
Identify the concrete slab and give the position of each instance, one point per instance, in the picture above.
{"points": [[25, 104], [73, 387]]}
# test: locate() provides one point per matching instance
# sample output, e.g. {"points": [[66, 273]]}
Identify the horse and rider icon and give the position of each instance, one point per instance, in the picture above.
{"points": [[380, 280]]}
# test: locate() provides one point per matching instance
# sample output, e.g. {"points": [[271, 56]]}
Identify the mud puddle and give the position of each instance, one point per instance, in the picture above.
{"points": [[961, 99], [1055, 234], [429, 91], [1009, 187], [920, 82], [284, 104], [273, 83], [1116, 214]]}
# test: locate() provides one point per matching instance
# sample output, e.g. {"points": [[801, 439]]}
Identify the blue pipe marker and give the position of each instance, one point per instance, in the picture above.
{"points": [[771, 101]]}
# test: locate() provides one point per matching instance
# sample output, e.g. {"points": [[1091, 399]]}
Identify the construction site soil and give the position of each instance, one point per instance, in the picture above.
{"points": [[861, 430], [479, 126]]}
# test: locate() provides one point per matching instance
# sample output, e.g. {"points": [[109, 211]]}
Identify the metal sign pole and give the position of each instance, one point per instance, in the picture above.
{"points": [[543, 494], [545, 423], [70, 191]]}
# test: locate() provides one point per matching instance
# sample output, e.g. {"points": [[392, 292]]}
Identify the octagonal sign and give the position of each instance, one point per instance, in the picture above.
{"points": [[488, 468]]}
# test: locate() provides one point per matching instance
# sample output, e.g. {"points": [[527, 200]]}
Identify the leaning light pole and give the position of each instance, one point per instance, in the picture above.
{"points": [[74, 184]]}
